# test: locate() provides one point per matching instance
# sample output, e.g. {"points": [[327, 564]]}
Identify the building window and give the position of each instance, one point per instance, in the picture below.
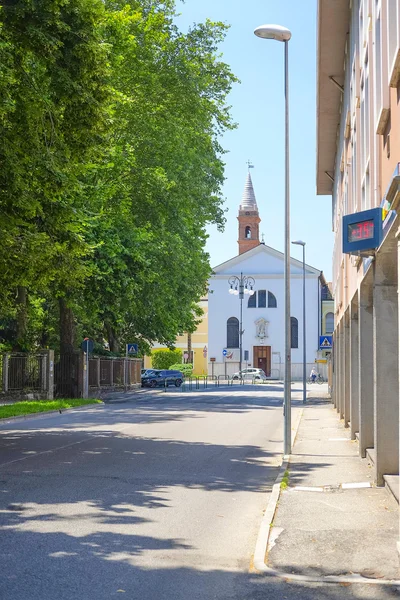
{"points": [[232, 333], [271, 300], [294, 332], [252, 303], [329, 322], [262, 299], [247, 233]]}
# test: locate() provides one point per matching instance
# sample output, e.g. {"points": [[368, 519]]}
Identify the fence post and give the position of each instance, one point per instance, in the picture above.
{"points": [[112, 372], [50, 374], [5, 372], [98, 373], [85, 376]]}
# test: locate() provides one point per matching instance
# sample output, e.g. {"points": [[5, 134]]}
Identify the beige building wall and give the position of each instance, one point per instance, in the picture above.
{"points": [[358, 154], [199, 343]]}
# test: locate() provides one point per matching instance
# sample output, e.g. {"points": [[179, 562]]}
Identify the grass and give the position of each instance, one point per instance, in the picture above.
{"points": [[20, 409], [285, 480]]}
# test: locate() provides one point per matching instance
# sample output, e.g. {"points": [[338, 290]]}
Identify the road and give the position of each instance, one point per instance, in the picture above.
{"points": [[160, 497]]}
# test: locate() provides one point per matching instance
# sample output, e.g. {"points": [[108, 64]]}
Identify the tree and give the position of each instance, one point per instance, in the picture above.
{"points": [[163, 359], [55, 98]]}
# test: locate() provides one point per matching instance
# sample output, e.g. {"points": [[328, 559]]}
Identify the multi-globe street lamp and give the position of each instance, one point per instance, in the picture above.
{"points": [[300, 243], [241, 286], [281, 34]]}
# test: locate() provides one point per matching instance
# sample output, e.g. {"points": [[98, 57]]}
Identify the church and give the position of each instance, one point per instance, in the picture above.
{"points": [[246, 305]]}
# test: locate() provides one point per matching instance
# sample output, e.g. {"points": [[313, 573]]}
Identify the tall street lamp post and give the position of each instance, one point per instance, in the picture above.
{"points": [[281, 34], [300, 243], [240, 286]]}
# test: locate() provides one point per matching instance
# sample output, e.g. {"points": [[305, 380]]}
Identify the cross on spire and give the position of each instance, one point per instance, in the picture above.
{"points": [[249, 165]]}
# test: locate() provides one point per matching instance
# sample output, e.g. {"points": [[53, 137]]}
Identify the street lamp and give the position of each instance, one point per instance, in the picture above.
{"points": [[300, 243], [240, 286], [281, 34]]}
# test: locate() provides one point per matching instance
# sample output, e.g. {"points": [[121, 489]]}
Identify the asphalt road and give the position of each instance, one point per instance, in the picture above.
{"points": [[157, 498]]}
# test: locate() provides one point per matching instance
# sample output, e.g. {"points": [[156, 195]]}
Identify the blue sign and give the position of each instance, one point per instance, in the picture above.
{"points": [[362, 231], [325, 342], [224, 352], [87, 345], [132, 348]]}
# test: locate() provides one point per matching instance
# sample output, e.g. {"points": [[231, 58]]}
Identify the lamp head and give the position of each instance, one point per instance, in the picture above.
{"points": [[299, 243], [273, 32]]}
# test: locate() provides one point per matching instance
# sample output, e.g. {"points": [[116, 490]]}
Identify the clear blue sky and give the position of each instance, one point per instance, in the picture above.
{"points": [[258, 108]]}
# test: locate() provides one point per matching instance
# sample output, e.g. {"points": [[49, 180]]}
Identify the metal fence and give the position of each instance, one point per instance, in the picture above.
{"points": [[25, 372], [113, 372]]}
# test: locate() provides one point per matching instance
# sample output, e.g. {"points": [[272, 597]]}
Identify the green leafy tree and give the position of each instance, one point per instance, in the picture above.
{"points": [[163, 359]]}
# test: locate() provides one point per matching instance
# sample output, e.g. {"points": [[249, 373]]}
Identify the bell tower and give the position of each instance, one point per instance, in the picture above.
{"points": [[248, 218]]}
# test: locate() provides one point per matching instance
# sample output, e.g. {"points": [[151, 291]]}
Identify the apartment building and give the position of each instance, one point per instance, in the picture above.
{"points": [[358, 156]]}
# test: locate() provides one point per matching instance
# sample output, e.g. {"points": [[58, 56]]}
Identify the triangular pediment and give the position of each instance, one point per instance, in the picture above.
{"points": [[262, 260]]}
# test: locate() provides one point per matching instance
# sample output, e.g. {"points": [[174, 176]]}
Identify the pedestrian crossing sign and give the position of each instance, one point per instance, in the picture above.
{"points": [[325, 342]]}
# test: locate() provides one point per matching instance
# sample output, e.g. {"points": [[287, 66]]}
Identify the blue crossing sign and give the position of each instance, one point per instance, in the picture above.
{"points": [[325, 342], [132, 348], [224, 352]]}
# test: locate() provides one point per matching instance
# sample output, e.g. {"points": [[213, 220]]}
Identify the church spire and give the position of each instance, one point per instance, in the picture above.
{"points": [[248, 218]]}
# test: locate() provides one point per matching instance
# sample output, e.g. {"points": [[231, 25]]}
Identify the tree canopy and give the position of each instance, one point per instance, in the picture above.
{"points": [[111, 169]]}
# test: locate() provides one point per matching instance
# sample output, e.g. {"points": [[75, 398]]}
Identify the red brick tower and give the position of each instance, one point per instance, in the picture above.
{"points": [[248, 219]]}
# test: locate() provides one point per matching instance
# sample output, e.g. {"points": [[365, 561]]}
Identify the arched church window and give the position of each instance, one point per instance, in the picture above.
{"points": [[294, 332], [247, 232], [262, 298], [329, 322], [252, 303], [232, 333], [271, 300]]}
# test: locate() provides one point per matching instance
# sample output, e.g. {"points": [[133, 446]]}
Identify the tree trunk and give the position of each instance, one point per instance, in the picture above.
{"points": [[111, 337], [67, 328], [189, 347], [22, 318]]}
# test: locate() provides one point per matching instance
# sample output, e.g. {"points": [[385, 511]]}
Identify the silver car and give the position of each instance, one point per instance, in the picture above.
{"points": [[250, 373]]}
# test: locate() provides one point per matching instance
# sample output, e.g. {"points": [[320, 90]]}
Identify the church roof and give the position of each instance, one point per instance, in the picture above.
{"points": [[248, 199]]}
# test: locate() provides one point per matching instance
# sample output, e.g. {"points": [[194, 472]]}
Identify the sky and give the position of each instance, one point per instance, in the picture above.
{"points": [[257, 106]]}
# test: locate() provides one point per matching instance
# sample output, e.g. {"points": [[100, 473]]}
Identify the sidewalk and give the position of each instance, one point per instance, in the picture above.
{"points": [[332, 529]]}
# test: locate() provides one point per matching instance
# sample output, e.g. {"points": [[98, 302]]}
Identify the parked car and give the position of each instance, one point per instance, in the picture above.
{"points": [[143, 371], [161, 377], [250, 373]]}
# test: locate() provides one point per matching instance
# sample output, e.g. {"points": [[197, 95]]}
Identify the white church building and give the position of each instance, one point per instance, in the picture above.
{"points": [[260, 315]]}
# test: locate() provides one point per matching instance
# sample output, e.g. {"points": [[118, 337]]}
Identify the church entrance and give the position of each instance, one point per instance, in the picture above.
{"points": [[262, 359]]}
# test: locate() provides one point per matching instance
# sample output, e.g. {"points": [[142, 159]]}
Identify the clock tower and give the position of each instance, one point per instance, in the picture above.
{"points": [[248, 218]]}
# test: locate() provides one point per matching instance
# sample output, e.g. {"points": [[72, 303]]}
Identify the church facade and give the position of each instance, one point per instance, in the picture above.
{"points": [[258, 312]]}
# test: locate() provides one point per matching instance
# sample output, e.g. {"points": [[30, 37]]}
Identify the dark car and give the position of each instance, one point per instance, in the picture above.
{"points": [[158, 377]]}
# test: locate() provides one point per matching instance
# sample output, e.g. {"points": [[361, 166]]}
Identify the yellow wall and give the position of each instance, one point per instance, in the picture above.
{"points": [[199, 341]]}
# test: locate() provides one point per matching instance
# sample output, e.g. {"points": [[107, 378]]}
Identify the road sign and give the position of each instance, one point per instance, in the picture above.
{"points": [[132, 348], [212, 359], [205, 351], [325, 341], [224, 352], [87, 345], [185, 355]]}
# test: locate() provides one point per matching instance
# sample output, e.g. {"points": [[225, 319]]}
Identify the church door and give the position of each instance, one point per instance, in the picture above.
{"points": [[262, 359]]}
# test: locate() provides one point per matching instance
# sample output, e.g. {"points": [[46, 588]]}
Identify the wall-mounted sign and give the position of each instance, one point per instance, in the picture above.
{"points": [[362, 231]]}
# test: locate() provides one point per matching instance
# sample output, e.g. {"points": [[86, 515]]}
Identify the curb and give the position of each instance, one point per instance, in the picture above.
{"points": [[45, 413], [264, 533]]}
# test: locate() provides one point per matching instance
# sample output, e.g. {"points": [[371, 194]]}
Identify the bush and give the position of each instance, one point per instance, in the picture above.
{"points": [[163, 359], [187, 370]]}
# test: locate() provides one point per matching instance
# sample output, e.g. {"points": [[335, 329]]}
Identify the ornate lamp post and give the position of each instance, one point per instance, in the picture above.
{"points": [[239, 286], [303, 244]]}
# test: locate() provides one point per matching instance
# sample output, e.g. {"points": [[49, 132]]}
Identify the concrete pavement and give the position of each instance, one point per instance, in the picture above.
{"points": [[330, 520]]}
